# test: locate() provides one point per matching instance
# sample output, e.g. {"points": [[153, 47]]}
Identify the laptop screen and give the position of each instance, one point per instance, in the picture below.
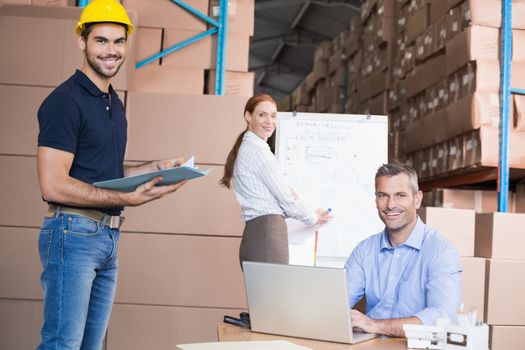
{"points": [[300, 301]]}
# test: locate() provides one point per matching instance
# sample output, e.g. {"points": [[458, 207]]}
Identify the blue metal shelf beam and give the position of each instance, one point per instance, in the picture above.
{"points": [[220, 28], [221, 47], [506, 55], [175, 47], [517, 91]]}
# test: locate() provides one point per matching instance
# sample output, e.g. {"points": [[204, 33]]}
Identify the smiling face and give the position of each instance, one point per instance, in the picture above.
{"points": [[104, 49], [262, 120], [396, 203]]}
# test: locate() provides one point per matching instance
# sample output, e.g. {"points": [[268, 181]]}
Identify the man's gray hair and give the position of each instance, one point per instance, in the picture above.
{"points": [[396, 168]]}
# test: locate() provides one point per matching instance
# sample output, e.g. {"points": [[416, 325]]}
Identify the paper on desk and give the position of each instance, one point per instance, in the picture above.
{"points": [[244, 345]]}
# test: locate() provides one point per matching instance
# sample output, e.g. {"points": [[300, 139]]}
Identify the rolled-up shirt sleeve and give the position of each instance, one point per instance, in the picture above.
{"points": [[443, 287]]}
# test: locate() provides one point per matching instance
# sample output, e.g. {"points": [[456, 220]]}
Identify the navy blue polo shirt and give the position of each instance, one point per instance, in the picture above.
{"points": [[79, 118]]}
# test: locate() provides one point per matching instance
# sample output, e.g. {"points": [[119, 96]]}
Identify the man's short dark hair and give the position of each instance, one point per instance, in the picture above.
{"points": [[396, 168], [88, 27]]}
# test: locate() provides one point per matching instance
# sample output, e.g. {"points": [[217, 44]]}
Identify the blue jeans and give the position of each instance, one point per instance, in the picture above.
{"points": [[79, 257]]}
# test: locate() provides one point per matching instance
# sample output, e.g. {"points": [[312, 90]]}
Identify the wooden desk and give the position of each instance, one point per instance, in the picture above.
{"points": [[229, 332]]}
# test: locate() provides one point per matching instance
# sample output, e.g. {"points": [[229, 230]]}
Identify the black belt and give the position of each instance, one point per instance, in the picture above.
{"points": [[95, 215]]}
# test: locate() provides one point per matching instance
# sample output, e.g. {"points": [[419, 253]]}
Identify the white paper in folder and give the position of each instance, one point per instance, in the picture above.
{"points": [[244, 345]]}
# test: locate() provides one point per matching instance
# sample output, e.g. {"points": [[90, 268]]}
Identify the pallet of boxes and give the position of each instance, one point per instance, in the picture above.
{"points": [[449, 114]]}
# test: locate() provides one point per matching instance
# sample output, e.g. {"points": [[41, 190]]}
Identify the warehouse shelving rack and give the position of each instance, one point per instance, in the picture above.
{"points": [[219, 28], [503, 174]]}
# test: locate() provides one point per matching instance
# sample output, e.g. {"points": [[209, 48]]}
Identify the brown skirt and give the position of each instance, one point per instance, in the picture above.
{"points": [[265, 239]]}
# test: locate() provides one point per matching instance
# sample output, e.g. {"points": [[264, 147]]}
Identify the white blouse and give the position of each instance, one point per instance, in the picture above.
{"points": [[259, 185]]}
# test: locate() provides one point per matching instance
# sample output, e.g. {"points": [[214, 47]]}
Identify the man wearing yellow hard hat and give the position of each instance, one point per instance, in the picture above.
{"points": [[82, 140]]}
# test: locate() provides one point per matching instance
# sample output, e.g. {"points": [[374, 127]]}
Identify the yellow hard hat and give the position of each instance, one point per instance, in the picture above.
{"points": [[103, 11]]}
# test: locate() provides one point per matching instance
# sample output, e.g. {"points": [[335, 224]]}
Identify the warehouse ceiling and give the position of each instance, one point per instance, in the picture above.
{"points": [[286, 35]]}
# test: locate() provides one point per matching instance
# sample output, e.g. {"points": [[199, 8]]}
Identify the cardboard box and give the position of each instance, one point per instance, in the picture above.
{"points": [[396, 145], [235, 83], [417, 22], [456, 158], [519, 112], [379, 104], [472, 112], [377, 82], [182, 211], [148, 41], [488, 13], [165, 14], [19, 131], [474, 43], [285, 105], [498, 235], [425, 75], [21, 267], [383, 30], [488, 148], [518, 49], [415, 136], [20, 323], [138, 327], [237, 52], [352, 45], [456, 225], [240, 15], [482, 201], [336, 61], [504, 302], [300, 96], [20, 183], [473, 291], [438, 9], [323, 51], [18, 2], [181, 279], [196, 55], [168, 79], [519, 198], [54, 2], [424, 161], [183, 120], [54, 56], [441, 150], [506, 337], [319, 72], [436, 128], [367, 7]]}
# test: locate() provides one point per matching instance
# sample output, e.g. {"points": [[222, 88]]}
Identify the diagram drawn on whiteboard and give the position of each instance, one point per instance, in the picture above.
{"points": [[330, 162]]}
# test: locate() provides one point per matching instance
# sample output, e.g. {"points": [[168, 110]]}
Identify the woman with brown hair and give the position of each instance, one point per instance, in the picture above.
{"points": [[261, 191]]}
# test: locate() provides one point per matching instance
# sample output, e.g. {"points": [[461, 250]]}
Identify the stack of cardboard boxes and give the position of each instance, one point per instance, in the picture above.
{"points": [[191, 70], [498, 240], [179, 270], [453, 117], [493, 264], [433, 67]]}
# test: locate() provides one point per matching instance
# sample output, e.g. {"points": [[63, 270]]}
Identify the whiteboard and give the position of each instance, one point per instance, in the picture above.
{"points": [[330, 161]]}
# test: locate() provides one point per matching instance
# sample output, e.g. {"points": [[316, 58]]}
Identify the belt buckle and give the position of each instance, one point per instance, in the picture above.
{"points": [[116, 222]]}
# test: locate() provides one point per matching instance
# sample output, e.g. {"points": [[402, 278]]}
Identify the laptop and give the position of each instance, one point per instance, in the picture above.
{"points": [[300, 301]]}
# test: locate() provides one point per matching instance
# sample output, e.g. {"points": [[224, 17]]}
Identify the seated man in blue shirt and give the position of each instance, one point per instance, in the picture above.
{"points": [[409, 273]]}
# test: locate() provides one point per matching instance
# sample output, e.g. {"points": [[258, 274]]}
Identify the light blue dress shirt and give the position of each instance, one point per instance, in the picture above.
{"points": [[421, 277]]}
